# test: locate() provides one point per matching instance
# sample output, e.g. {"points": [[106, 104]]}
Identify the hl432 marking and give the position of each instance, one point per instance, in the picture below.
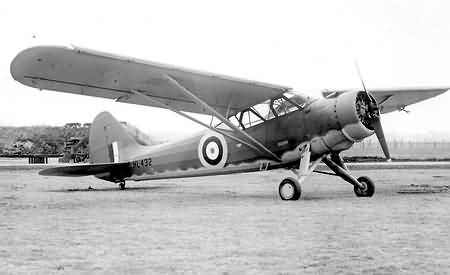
{"points": [[147, 162]]}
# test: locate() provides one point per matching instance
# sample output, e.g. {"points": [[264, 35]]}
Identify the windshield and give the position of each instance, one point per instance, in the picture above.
{"points": [[299, 98], [289, 102]]}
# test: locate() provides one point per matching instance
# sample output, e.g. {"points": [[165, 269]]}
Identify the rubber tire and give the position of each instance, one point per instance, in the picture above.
{"points": [[368, 191], [295, 185]]}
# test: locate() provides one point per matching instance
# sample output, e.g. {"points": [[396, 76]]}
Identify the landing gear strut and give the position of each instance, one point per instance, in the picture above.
{"points": [[122, 185], [290, 188], [363, 186]]}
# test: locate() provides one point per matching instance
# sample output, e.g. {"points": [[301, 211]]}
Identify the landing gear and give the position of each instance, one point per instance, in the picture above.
{"points": [[290, 189], [368, 187], [122, 185], [363, 186]]}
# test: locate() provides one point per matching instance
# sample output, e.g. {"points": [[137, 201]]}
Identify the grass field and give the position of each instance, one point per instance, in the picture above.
{"points": [[225, 225], [402, 150]]}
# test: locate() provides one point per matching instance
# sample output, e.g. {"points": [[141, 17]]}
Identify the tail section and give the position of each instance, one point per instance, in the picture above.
{"points": [[110, 149], [109, 142]]}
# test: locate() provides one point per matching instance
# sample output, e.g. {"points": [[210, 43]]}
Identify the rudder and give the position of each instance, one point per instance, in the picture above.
{"points": [[109, 142]]}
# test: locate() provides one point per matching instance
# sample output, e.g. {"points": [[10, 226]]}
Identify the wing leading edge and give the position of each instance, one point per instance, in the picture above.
{"points": [[396, 99]]}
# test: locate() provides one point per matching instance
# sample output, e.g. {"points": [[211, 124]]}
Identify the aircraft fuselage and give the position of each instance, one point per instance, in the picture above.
{"points": [[329, 125]]}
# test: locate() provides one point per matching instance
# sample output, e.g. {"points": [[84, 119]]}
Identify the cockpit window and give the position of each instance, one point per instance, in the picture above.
{"points": [[263, 110], [290, 102], [300, 99], [269, 109]]}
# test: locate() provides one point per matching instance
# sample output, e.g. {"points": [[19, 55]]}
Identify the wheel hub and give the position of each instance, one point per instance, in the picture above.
{"points": [[363, 187], [287, 191]]}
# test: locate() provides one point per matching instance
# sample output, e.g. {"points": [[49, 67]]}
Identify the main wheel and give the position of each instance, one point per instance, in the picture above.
{"points": [[368, 187], [290, 189]]}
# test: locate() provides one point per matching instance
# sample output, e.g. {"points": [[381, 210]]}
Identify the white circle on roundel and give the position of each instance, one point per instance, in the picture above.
{"points": [[212, 150]]}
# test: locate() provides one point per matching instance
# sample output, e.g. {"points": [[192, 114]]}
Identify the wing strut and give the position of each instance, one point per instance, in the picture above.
{"points": [[258, 144], [167, 106]]}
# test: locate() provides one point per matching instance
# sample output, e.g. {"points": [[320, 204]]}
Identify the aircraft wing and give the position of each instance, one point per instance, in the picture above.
{"points": [[395, 99], [93, 73]]}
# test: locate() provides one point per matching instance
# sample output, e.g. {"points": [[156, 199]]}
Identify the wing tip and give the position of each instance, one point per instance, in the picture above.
{"points": [[24, 59]]}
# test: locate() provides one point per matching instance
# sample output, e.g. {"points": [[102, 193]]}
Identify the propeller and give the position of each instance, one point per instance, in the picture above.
{"points": [[376, 121]]}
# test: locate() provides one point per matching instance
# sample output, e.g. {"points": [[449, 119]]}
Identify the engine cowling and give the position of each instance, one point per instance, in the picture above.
{"points": [[355, 113], [351, 115]]}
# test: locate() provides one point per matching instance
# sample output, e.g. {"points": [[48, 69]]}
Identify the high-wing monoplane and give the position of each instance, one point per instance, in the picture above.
{"points": [[259, 126]]}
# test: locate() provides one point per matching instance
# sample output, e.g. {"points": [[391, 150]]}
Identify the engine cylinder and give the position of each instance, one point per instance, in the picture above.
{"points": [[354, 115]]}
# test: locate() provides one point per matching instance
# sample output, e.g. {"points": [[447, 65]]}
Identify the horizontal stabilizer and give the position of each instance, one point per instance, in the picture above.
{"points": [[84, 169]]}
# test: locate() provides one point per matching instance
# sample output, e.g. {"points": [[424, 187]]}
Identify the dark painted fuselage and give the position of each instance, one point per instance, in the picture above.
{"points": [[329, 125]]}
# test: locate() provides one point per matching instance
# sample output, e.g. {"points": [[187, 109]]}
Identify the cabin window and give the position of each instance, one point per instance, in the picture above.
{"points": [[267, 110], [251, 118], [289, 103]]}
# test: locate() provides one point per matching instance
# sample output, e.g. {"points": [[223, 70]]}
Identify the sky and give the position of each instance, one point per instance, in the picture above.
{"points": [[306, 45]]}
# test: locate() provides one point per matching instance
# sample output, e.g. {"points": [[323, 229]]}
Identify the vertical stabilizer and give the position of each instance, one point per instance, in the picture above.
{"points": [[109, 142]]}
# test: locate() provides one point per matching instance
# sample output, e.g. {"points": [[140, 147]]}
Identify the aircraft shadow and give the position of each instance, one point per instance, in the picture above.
{"points": [[316, 198], [198, 195], [111, 189], [227, 195]]}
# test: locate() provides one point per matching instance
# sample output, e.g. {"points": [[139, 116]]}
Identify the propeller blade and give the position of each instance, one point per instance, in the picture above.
{"points": [[361, 78], [376, 124]]}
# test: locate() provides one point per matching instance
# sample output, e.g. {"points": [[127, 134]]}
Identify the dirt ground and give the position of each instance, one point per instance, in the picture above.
{"points": [[225, 225]]}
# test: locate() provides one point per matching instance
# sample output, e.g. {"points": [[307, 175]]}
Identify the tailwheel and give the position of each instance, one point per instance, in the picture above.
{"points": [[367, 188], [290, 189], [122, 185]]}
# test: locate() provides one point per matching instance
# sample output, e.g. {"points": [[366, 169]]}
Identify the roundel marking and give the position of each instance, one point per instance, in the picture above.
{"points": [[213, 150]]}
